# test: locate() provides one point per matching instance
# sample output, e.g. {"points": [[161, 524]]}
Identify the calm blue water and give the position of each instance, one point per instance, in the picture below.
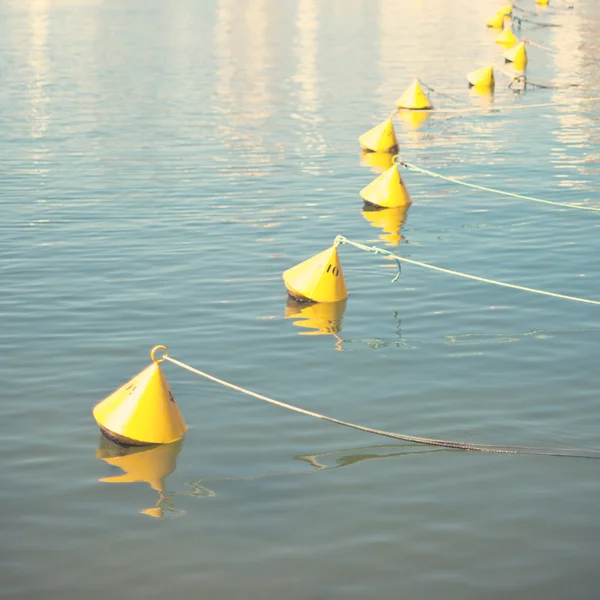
{"points": [[161, 164]]}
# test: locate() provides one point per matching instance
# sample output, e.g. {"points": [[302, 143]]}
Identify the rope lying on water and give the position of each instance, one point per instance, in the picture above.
{"points": [[563, 452], [340, 239], [493, 190]]}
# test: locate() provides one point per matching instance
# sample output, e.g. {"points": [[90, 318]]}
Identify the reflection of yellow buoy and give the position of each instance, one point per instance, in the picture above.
{"points": [[325, 318], [382, 138], [318, 279], [507, 38], [389, 220], [542, 2], [387, 190], [150, 464], [142, 411], [414, 118], [482, 78], [517, 56], [140, 463], [380, 161], [414, 98]]}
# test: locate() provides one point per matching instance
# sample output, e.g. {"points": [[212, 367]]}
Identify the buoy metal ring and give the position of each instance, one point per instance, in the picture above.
{"points": [[160, 358]]}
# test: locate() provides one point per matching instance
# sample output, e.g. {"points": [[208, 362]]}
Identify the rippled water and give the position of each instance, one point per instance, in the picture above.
{"points": [[162, 163]]}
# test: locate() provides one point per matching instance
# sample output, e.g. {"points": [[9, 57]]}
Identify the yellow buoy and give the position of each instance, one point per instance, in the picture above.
{"points": [[506, 10], [517, 56], [542, 2], [378, 161], [507, 38], [317, 279], [324, 318], [482, 78], [382, 138], [387, 190], [142, 411], [414, 98], [496, 22], [389, 220]]}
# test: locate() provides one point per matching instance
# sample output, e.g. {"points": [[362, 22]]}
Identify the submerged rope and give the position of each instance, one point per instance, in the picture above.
{"points": [[412, 167], [540, 451], [340, 239]]}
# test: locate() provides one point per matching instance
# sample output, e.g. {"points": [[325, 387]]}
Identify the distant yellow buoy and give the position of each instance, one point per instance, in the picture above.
{"points": [[506, 10], [517, 56], [542, 2], [381, 138], [142, 411], [324, 318], [317, 279], [483, 78], [387, 190], [414, 98], [507, 38], [378, 161], [497, 21], [389, 220]]}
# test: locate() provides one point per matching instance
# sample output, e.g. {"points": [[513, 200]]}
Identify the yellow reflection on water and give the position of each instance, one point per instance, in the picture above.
{"points": [[151, 465], [324, 318], [378, 161], [389, 220], [413, 119]]}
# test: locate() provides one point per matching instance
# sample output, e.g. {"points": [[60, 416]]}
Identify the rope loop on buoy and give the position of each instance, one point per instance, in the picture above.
{"points": [[454, 445]]}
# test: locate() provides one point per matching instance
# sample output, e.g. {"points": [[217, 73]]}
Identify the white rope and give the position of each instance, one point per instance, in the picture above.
{"points": [[340, 239]]}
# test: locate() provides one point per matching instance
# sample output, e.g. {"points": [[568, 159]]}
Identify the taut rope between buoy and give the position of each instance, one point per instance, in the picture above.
{"points": [[531, 450], [340, 239], [475, 186]]}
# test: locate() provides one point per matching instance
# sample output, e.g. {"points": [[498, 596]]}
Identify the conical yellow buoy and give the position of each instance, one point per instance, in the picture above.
{"points": [[325, 318], [506, 10], [142, 411], [378, 161], [507, 38], [382, 138], [140, 463], [517, 56], [318, 279], [387, 190], [414, 98], [482, 78], [389, 220], [497, 21]]}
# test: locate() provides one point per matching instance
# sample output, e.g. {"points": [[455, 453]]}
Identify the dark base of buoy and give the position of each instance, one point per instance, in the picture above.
{"points": [[392, 150], [369, 207], [122, 441], [300, 299]]}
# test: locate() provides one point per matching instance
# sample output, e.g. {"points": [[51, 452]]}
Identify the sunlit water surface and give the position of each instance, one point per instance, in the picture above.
{"points": [[162, 163]]}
